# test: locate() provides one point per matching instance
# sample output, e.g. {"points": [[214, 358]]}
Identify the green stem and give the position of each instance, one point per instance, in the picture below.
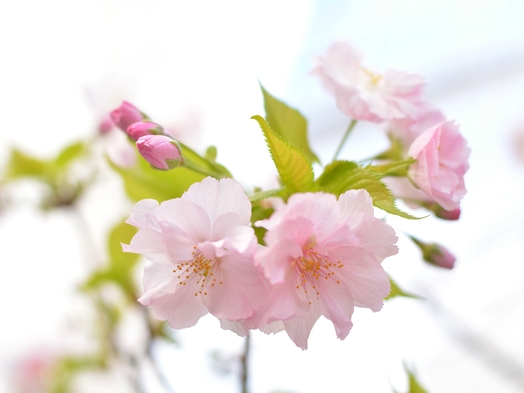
{"points": [[348, 131], [189, 165]]}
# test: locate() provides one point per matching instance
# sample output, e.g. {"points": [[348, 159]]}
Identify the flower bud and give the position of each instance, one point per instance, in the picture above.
{"points": [[160, 151], [440, 212], [125, 115], [141, 128], [436, 254]]}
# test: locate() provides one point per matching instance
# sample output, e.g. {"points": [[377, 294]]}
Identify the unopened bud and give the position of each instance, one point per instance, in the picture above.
{"points": [[160, 151], [440, 212], [125, 115], [141, 128], [436, 254]]}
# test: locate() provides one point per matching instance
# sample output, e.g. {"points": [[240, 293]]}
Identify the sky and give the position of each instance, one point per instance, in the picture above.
{"points": [[65, 63]]}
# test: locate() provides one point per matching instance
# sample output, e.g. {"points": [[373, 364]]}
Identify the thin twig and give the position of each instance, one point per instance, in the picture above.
{"points": [[244, 361]]}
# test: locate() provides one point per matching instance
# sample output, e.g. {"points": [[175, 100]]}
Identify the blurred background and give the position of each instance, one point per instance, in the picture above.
{"points": [[195, 67]]}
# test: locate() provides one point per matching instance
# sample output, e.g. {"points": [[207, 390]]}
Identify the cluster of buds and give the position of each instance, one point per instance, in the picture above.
{"points": [[153, 143]]}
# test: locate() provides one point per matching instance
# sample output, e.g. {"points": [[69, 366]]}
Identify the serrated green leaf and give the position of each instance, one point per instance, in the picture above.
{"points": [[395, 168], [293, 167], [396, 291], [288, 123], [341, 176], [141, 182]]}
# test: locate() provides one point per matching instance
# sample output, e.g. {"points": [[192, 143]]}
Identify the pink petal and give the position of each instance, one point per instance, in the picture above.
{"points": [[220, 197], [188, 216], [298, 329], [364, 276]]}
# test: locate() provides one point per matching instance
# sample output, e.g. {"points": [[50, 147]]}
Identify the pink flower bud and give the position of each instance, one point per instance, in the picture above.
{"points": [[125, 115], [440, 212], [440, 257], [435, 254], [141, 128], [160, 151]]}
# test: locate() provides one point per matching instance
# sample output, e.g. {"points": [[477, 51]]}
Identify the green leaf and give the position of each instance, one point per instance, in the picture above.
{"points": [[414, 385], [288, 123], [265, 194], [395, 168], [69, 154], [142, 182], [397, 291], [340, 176], [293, 167], [119, 270], [205, 163], [24, 165]]}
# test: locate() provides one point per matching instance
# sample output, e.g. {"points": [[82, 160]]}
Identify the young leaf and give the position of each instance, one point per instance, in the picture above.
{"points": [[69, 154], [397, 291], [23, 165], [395, 168], [340, 176], [141, 182], [265, 194], [288, 123], [293, 167]]}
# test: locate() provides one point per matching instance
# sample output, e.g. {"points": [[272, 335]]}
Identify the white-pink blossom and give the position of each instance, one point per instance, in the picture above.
{"points": [[408, 129], [442, 160], [201, 250], [364, 95], [323, 257]]}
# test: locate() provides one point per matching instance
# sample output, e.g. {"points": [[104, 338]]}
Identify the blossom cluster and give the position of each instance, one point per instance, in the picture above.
{"points": [[322, 248], [322, 257]]}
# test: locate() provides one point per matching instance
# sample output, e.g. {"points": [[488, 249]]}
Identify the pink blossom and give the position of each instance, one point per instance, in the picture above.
{"points": [[364, 95], [442, 161], [160, 151], [142, 128], [323, 257], [125, 115], [408, 129], [201, 250]]}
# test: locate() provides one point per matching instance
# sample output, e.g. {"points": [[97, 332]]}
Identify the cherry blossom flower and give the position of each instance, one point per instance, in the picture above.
{"points": [[408, 129], [201, 250], [442, 160], [323, 257], [364, 95]]}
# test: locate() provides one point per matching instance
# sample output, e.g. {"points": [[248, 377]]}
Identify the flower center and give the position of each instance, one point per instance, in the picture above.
{"points": [[311, 267], [372, 78], [199, 271]]}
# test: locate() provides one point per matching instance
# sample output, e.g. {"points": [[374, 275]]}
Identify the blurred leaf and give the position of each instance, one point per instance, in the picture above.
{"points": [[395, 168], [120, 267], [397, 291], [288, 123], [414, 385], [340, 176], [142, 182], [24, 165], [293, 167], [69, 154], [211, 153]]}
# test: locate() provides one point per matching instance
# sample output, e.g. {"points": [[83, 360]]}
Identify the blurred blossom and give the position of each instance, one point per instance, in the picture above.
{"points": [[364, 95], [518, 143], [33, 373]]}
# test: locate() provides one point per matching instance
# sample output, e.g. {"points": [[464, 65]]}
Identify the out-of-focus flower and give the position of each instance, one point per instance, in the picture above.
{"points": [[33, 373], [201, 250], [363, 95], [142, 128], [442, 160], [125, 115], [408, 129], [160, 151], [323, 257], [435, 254]]}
